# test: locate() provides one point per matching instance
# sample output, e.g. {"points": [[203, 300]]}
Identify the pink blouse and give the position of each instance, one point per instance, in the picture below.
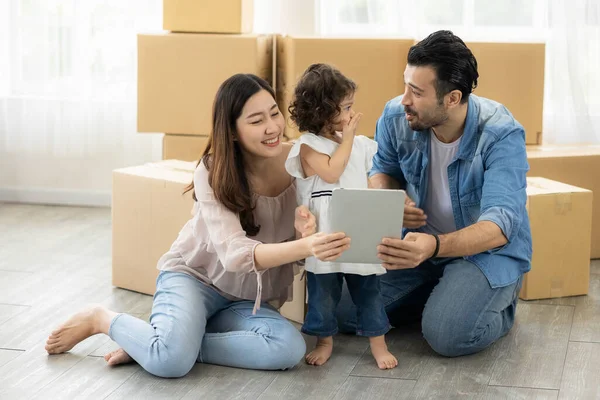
{"points": [[213, 247]]}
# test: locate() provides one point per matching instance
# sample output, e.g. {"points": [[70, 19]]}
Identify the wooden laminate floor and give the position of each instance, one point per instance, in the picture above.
{"points": [[55, 260]]}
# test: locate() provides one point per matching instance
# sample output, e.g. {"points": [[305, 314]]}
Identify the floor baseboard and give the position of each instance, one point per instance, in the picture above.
{"points": [[66, 197]]}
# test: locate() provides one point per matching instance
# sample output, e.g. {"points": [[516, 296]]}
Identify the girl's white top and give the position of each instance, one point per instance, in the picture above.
{"points": [[315, 193]]}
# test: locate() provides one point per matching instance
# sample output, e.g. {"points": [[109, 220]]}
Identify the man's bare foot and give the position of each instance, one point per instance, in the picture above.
{"points": [[385, 359], [118, 357], [321, 352], [79, 327]]}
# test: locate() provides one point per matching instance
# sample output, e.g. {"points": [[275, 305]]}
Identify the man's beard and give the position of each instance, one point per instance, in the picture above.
{"points": [[425, 122]]}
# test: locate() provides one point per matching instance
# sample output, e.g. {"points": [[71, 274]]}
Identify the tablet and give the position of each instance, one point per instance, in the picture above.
{"points": [[366, 216]]}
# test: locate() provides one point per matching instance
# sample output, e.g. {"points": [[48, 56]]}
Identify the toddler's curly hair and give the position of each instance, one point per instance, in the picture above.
{"points": [[317, 97]]}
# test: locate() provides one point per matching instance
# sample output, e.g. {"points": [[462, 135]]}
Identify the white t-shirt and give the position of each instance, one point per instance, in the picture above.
{"points": [[438, 205]]}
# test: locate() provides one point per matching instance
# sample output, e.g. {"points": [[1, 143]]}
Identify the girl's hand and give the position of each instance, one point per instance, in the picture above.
{"points": [[328, 247], [305, 221], [350, 128], [413, 217]]}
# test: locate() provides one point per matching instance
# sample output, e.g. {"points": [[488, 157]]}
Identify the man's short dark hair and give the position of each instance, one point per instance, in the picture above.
{"points": [[453, 62]]}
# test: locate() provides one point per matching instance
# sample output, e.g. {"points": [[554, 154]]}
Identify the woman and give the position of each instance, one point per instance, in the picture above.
{"points": [[240, 246]]}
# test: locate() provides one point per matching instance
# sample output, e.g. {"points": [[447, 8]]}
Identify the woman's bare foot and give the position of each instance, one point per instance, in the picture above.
{"points": [[79, 327], [321, 352], [118, 357], [385, 359]]}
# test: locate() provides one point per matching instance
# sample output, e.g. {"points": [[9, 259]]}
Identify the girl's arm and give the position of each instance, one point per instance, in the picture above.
{"points": [[305, 222], [331, 168]]}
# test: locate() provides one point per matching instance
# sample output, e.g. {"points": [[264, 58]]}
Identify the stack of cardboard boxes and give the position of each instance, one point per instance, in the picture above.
{"points": [[561, 230], [376, 65], [148, 211], [208, 41], [179, 72]]}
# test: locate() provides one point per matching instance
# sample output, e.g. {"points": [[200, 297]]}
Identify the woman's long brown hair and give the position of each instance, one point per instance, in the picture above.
{"points": [[223, 156]]}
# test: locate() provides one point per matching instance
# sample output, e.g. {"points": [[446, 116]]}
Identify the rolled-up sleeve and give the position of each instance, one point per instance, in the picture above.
{"points": [[234, 249], [504, 195]]}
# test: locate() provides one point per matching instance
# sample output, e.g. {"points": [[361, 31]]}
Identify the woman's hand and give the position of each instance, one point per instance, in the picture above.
{"points": [[328, 247], [305, 221]]}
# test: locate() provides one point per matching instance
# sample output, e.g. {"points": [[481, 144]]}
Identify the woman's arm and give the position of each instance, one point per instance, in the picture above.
{"points": [[325, 247], [239, 253]]}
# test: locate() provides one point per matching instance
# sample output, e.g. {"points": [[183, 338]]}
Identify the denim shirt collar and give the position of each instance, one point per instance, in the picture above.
{"points": [[468, 143]]}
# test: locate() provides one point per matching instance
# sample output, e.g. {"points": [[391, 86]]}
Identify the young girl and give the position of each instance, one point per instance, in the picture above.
{"points": [[323, 159]]}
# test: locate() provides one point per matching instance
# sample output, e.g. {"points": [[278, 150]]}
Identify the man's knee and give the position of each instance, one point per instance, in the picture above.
{"points": [[454, 335], [447, 336]]}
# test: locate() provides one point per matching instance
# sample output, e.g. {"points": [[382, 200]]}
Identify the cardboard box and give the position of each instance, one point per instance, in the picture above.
{"points": [[376, 65], [575, 165], [560, 217], [179, 75], [148, 211], [184, 147], [295, 310], [222, 16], [513, 74]]}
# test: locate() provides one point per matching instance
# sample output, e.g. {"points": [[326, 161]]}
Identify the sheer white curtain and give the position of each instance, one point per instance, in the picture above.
{"points": [[570, 29], [68, 92], [572, 101], [68, 97], [291, 17]]}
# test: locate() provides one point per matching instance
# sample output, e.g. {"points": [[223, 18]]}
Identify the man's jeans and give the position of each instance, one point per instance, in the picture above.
{"points": [[461, 313]]}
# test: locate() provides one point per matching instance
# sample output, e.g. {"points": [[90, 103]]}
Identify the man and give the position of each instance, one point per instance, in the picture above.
{"points": [[462, 161]]}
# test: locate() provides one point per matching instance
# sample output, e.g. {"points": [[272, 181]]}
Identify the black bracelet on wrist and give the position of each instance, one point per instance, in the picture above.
{"points": [[437, 245]]}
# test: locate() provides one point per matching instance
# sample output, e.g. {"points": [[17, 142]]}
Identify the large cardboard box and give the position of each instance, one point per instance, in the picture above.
{"points": [[295, 310], [376, 65], [184, 147], [222, 16], [576, 165], [148, 211], [179, 74], [560, 217], [513, 74]]}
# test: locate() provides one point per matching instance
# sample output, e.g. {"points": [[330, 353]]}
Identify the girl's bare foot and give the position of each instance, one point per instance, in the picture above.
{"points": [[79, 327], [118, 357], [321, 352], [385, 359]]}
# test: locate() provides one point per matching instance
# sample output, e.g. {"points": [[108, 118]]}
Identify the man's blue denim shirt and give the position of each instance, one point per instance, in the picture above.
{"points": [[487, 178]]}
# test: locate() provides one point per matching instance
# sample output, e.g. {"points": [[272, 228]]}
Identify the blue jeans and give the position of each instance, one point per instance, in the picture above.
{"points": [[460, 313], [324, 292], [191, 322]]}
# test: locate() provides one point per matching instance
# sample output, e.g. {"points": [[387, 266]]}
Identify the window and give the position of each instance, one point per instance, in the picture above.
{"points": [[473, 20], [57, 45]]}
